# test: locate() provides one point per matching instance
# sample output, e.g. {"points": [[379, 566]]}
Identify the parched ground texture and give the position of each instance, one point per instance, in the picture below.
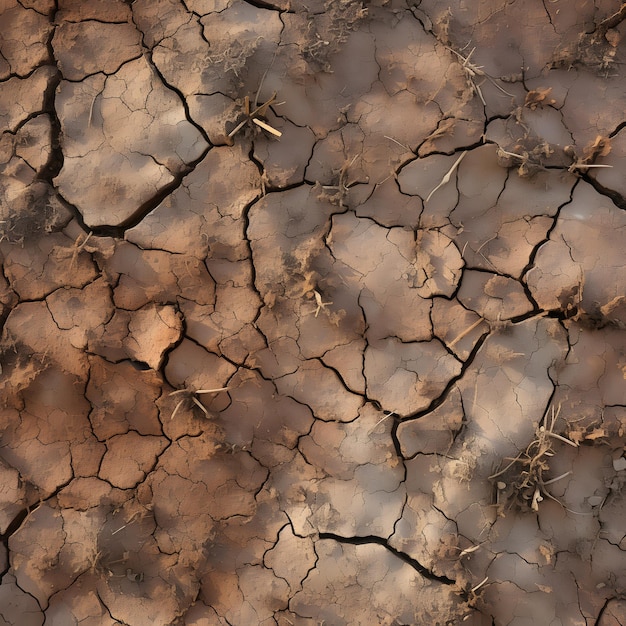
{"points": [[312, 312]]}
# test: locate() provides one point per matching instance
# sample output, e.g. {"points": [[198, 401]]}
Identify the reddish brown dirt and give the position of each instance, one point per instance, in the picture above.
{"points": [[312, 312]]}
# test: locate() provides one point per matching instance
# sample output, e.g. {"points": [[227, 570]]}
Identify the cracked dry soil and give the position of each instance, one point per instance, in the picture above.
{"points": [[312, 312]]}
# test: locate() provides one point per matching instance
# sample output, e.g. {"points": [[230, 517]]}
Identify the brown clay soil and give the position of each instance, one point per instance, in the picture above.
{"points": [[312, 312]]}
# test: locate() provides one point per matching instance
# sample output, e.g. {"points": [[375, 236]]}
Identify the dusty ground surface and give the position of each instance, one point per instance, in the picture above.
{"points": [[369, 371]]}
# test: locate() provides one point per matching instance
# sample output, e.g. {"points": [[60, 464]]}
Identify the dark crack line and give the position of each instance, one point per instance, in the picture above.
{"points": [[438, 401], [617, 198], [369, 539]]}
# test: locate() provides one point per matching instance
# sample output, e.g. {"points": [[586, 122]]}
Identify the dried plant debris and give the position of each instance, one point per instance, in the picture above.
{"points": [[475, 75], [528, 157], [522, 479], [255, 116], [600, 147], [329, 29], [539, 98]]}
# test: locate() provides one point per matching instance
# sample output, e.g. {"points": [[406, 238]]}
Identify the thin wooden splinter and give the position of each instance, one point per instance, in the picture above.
{"points": [[267, 127]]}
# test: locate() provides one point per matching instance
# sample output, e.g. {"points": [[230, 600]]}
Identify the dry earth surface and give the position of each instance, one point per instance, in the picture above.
{"points": [[312, 312]]}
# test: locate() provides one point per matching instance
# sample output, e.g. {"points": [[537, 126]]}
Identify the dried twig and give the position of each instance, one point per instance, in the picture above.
{"points": [[472, 71]]}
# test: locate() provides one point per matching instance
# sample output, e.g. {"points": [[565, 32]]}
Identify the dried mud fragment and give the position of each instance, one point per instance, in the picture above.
{"points": [[321, 390], [433, 433], [294, 222], [33, 210], [33, 142], [305, 89], [89, 492], [213, 113], [438, 263], [43, 533], [367, 581], [237, 595], [122, 398], [419, 178], [36, 442], [227, 327], [12, 495], [87, 47], [147, 276], [129, 458], [193, 489], [158, 19], [107, 123], [101, 10], [525, 45], [348, 450], [23, 38], [262, 421], [457, 327], [583, 249], [348, 361], [492, 296], [136, 578], [180, 51], [18, 606], [389, 207], [242, 542], [190, 366], [362, 496], [586, 123], [132, 593], [241, 35], [406, 377], [81, 311], [79, 602], [591, 379], [291, 558], [152, 331], [504, 396], [203, 216], [31, 326], [379, 266], [144, 335], [337, 160], [44, 264], [614, 613], [422, 531], [280, 167]]}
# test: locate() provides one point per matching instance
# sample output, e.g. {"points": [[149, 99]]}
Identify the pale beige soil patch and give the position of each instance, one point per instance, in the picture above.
{"points": [[312, 313]]}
